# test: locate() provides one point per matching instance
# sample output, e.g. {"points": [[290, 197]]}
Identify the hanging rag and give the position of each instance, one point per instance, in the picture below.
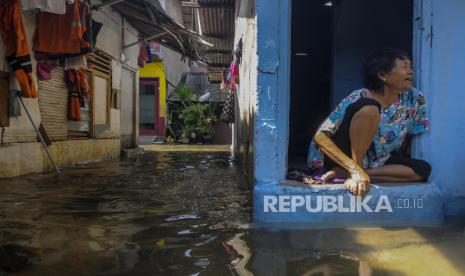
{"points": [[14, 105], [227, 115], [58, 34], [74, 110], [15, 90], [78, 86], [149, 53], [224, 82], [17, 50], [4, 106], [44, 70], [143, 54], [84, 86], [52, 6], [234, 72]]}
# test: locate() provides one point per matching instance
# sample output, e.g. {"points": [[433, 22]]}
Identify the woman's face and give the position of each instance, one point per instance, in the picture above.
{"points": [[401, 76]]}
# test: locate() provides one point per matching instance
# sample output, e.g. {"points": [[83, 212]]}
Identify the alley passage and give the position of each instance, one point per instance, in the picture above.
{"points": [[175, 213]]}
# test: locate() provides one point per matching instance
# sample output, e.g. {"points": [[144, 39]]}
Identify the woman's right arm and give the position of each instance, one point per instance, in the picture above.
{"points": [[359, 182]]}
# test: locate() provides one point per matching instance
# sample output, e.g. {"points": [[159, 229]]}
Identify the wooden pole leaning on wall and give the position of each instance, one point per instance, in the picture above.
{"points": [[39, 135]]}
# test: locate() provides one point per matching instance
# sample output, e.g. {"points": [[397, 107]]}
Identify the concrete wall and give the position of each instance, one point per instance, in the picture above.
{"points": [[110, 40], [246, 29], [271, 123], [23, 158], [443, 81], [110, 37]]}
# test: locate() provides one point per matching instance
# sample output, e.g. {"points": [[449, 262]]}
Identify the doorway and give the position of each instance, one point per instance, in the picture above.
{"points": [[329, 40], [149, 112]]}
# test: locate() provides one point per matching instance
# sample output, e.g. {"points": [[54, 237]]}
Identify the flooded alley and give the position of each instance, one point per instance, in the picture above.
{"points": [[175, 213]]}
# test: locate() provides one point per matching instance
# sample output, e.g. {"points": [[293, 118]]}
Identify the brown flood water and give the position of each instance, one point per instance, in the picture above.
{"points": [[189, 214]]}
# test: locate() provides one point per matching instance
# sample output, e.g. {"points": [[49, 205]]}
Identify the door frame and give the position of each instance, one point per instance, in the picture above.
{"points": [[158, 129]]}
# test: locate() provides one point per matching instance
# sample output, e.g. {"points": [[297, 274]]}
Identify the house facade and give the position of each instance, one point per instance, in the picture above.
{"points": [[108, 118], [302, 58]]}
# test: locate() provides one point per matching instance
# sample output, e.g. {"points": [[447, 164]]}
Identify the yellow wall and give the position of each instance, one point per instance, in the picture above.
{"points": [[156, 70]]}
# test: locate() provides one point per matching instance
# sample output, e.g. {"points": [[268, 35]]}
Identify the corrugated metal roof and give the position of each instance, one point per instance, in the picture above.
{"points": [[150, 19], [217, 20]]}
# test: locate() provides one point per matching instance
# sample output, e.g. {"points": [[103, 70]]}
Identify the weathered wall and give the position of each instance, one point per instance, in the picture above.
{"points": [[110, 40], [110, 37], [247, 89], [23, 158], [271, 123], [444, 145]]}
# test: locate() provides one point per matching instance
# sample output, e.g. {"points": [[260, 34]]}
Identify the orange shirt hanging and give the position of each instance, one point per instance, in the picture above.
{"points": [[17, 49]]}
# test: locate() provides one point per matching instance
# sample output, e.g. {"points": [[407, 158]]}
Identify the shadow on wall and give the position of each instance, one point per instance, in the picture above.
{"points": [[244, 146]]}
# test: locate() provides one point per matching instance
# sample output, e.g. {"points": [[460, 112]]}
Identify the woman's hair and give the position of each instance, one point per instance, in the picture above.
{"points": [[380, 61]]}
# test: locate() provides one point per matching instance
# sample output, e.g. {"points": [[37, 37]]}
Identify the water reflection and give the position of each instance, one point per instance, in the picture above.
{"points": [[188, 214]]}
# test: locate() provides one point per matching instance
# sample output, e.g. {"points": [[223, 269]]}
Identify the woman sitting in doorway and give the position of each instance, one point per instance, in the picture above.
{"points": [[359, 138]]}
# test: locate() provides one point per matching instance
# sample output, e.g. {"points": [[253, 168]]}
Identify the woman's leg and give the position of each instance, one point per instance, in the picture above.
{"points": [[401, 169], [393, 173], [361, 131]]}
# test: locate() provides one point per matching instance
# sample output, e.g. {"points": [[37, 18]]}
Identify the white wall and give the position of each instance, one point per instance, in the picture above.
{"points": [[110, 40], [247, 89]]}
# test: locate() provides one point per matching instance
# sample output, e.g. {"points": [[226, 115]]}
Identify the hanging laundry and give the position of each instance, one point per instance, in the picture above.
{"points": [[44, 70], [53, 6], [84, 18], [58, 34], [234, 76], [74, 110], [143, 54], [227, 114], [149, 53], [78, 87], [84, 86], [17, 49], [224, 82]]}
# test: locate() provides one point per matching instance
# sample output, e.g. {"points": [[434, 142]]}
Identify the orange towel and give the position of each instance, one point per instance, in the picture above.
{"points": [[17, 49], [58, 34]]}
